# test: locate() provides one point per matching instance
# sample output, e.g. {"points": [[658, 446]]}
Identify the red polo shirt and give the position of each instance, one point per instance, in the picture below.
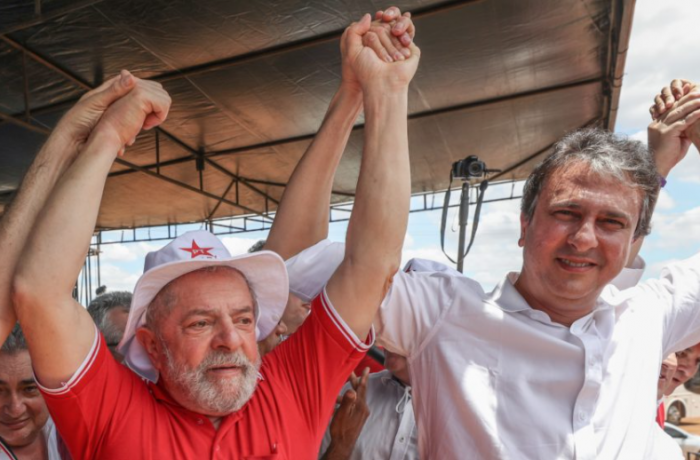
{"points": [[107, 412]]}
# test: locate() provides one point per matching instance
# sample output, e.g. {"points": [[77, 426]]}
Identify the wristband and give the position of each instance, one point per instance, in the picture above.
{"points": [[662, 180]]}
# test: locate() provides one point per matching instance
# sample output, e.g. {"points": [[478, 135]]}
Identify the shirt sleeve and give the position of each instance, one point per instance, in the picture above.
{"points": [[87, 407], [415, 304], [315, 362], [677, 295], [310, 270]]}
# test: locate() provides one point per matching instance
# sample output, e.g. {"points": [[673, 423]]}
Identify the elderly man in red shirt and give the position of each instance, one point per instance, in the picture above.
{"points": [[196, 311]]}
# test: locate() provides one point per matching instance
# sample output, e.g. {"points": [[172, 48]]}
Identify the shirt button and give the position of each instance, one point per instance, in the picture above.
{"points": [[217, 448], [582, 416], [200, 421], [402, 439]]}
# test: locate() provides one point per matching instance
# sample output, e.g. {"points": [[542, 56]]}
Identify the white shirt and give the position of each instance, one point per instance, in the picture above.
{"points": [[494, 379], [390, 430]]}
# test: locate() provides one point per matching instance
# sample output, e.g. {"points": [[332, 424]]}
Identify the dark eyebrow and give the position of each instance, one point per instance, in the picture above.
{"points": [[574, 205], [22, 382]]}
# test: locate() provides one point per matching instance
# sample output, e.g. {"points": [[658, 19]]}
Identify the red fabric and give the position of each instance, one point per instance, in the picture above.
{"points": [[661, 415], [109, 413], [368, 362]]}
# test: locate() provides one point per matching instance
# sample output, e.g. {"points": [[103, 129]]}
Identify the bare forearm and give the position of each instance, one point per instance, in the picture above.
{"points": [[302, 217], [380, 214], [59, 331], [17, 222], [56, 250]]}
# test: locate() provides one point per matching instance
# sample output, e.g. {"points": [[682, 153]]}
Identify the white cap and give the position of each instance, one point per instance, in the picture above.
{"points": [[264, 271]]}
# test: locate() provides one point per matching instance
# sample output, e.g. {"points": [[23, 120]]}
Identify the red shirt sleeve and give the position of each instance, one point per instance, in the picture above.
{"points": [[95, 401], [315, 362]]}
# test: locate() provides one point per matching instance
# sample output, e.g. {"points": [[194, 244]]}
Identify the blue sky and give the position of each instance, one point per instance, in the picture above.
{"points": [[663, 46]]}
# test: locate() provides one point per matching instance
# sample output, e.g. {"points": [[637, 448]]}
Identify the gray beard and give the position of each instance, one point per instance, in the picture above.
{"points": [[209, 395]]}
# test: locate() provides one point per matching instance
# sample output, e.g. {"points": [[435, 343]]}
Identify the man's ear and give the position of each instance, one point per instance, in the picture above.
{"points": [[148, 340], [523, 229]]}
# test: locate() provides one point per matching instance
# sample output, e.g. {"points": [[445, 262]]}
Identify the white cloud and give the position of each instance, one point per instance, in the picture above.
{"points": [[127, 252], [661, 48], [688, 170], [118, 279], [409, 241], [676, 231], [665, 202]]}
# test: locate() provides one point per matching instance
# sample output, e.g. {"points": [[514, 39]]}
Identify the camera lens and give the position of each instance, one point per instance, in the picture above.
{"points": [[476, 168]]}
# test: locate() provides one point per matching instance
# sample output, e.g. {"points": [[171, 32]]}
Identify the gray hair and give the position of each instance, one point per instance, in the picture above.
{"points": [[606, 154], [258, 246], [164, 301], [15, 342], [101, 305]]}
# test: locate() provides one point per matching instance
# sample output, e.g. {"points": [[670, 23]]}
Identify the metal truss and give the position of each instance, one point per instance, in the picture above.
{"points": [[420, 202]]}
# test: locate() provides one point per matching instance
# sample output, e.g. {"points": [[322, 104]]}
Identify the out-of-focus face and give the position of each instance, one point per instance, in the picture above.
{"points": [[686, 368], [205, 347], [23, 412], [295, 313], [577, 240], [117, 318], [668, 369], [397, 365], [271, 341]]}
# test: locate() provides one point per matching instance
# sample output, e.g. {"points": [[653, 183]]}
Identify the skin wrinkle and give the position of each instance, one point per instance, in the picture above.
{"points": [[202, 341]]}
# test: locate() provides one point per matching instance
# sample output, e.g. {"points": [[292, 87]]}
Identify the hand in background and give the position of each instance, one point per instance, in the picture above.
{"points": [[349, 419], [669, 133]]}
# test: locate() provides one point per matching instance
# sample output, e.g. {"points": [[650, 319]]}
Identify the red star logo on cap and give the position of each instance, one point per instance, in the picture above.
{"points": [[196, 251]]}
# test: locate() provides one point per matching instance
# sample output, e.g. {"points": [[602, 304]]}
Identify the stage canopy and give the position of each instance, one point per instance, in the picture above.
{"points": [[250, 83]]}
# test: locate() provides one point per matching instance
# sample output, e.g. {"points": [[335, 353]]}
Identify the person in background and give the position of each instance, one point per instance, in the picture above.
{"points": [[388, 432], [110, 312], [296, 310], [26, 430], [668, 369]]}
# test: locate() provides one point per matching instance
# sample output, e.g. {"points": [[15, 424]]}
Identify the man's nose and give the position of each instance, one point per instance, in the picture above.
{"points": [[227, 337], [14, 406], [584, 236]]}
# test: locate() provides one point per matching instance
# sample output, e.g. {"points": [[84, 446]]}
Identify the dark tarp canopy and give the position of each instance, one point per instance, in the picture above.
{"points": [[250, 83]]}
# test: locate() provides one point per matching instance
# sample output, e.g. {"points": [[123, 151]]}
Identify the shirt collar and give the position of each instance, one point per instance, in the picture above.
{"points": [[506, 297]]}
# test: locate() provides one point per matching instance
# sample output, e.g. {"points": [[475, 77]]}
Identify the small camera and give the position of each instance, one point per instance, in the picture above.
{"points": [[469, 168]]}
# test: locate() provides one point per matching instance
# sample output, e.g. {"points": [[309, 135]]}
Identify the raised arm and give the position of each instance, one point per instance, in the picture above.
{"points": [[59, 331], [380, 214], [675, 114], [50, 163], [302, 216]]}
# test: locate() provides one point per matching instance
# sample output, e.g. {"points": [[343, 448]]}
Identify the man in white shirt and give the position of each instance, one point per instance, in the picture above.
{"points": [[389, 433], [551, 363]]}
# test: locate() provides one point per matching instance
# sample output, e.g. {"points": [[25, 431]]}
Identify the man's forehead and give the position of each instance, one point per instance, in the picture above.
{"points": [[211, 288], [576, 182], [17, 365]]}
